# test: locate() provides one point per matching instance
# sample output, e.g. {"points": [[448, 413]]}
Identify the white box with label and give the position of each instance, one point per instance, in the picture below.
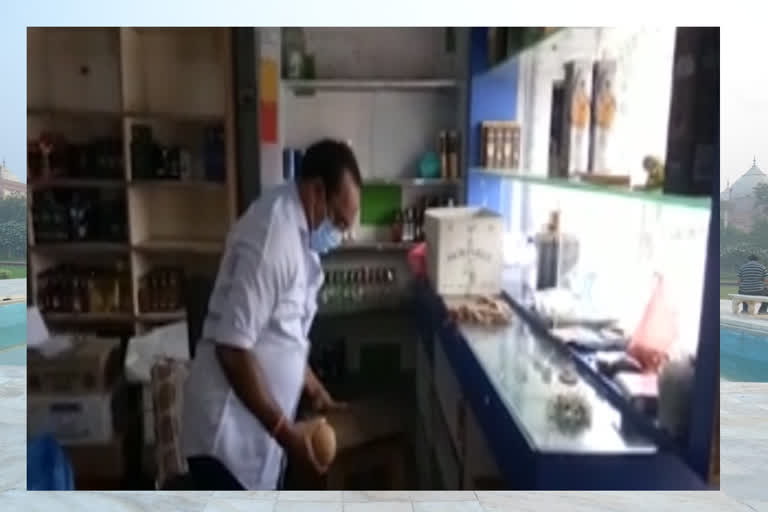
{"points": [[464, 250], [72, 418]]}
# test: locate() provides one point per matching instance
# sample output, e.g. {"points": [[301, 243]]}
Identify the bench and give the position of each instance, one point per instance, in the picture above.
{"points": [[753, 302]]}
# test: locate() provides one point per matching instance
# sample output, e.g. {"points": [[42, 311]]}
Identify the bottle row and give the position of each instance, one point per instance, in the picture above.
{"points": [[99, 289], [79, 216], [153, 160], [78, 289], [52, 156], [408, 225], [358, 284], [162, 290]]}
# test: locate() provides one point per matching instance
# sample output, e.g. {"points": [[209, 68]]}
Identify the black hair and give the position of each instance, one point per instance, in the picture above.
{"points": [[328, 160], [753, 257]]}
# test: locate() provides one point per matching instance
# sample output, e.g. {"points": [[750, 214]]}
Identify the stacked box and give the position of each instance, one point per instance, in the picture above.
{"points": [[604, 107], [576, 118]]}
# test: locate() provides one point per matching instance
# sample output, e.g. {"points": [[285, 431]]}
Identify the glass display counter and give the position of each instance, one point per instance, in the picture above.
{"points": [[555, 408]]}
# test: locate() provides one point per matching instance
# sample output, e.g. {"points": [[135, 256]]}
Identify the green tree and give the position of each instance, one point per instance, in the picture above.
{"points": [[13, 208], [13, 229]]}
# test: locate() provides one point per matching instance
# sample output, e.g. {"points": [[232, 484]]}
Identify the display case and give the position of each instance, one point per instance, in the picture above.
{"points": [[607, 271], [557, 410], [611, 255]]}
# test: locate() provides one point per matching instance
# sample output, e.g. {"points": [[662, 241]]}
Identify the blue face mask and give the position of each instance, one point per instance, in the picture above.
{"points": [[325, 237]]}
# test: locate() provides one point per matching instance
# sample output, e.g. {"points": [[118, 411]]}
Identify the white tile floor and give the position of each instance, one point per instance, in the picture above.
{"points": [[744, 449]]}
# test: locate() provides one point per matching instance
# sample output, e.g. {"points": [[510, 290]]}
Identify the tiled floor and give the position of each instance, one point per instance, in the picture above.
{"points": [[744, 449], [502, 501]]}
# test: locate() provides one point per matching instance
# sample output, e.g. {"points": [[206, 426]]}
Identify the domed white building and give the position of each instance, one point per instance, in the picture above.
{"points": [[738, 200], [745, 185], [10, 185]]}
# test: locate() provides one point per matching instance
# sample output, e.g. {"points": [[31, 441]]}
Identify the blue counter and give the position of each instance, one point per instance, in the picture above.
{"points": [[508, 376]]}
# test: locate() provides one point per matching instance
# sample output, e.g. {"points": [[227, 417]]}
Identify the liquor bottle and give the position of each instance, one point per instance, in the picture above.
{"points": [[142, 152], [453, 155], [408, 226], [397, 227], [444, 146]]}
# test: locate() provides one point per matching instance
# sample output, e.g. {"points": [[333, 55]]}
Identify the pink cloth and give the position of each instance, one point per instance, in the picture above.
{"points": [[417, 260], [658, 330]]}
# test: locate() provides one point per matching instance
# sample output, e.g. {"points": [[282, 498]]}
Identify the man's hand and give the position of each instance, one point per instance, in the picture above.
{"points": [[319, 397], [296, 440], [322, 401]]}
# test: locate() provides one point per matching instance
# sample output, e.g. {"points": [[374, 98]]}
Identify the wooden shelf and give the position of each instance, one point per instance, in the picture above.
{"points": [[65, 113], [144, 184], [76, 183], [176, 117], [137, 76], [89, 317], [180, 246], [81, 247], [165, 316]]}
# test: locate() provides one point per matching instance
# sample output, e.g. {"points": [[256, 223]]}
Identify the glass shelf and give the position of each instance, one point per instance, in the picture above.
{"points": [[653, 196]]}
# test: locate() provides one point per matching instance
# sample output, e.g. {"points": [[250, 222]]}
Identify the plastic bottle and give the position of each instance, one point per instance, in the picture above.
{"points": [[530, 269]]}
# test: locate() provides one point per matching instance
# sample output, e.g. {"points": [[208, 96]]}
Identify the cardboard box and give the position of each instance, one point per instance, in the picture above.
{"points": [[556, 167], [98, 465], [87, 418], [92, 365], [576, 118], [464, 250], [604, 108]]}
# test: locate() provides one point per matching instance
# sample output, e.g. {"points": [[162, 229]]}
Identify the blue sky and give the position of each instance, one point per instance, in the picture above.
{"points": [[13, 94]]}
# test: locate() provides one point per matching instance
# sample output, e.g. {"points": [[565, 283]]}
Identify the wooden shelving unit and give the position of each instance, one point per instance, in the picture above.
{"points": [[85, 83]]}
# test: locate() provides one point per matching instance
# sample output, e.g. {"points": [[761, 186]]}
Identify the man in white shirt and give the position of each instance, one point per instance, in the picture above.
{"points": [[250, 366]]}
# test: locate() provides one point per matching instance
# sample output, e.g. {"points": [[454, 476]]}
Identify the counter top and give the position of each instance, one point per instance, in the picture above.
{"points": [[525, 370]]}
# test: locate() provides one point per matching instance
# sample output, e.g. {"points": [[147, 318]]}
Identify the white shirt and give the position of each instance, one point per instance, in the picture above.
{"points": [[263, 301]]}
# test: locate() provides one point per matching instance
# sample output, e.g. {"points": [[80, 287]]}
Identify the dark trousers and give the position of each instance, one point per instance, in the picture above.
{"points": [[208, 474]]}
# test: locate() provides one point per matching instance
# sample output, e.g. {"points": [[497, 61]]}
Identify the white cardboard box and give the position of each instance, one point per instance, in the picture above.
{"points": [[464, 255], [72, 418]]}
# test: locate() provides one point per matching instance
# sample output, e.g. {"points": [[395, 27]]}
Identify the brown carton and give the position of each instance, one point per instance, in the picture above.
{"points": [[91, 365]]}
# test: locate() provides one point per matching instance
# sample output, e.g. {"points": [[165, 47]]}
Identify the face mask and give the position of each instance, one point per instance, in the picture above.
{"points": [[325, 237]]}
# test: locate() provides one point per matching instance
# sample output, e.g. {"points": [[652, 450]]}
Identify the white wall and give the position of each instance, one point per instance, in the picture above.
{"points": [[644, 79], [389, 130], [380, 53], [622, 242]]}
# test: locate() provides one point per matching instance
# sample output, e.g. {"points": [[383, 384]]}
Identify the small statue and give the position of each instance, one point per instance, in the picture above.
{"points": [[655, 169]]}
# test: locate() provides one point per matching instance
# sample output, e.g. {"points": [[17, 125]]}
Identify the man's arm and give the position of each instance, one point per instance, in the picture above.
{"points": [[243, 303], [247, 380], [312, 384], [319, 397]]}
